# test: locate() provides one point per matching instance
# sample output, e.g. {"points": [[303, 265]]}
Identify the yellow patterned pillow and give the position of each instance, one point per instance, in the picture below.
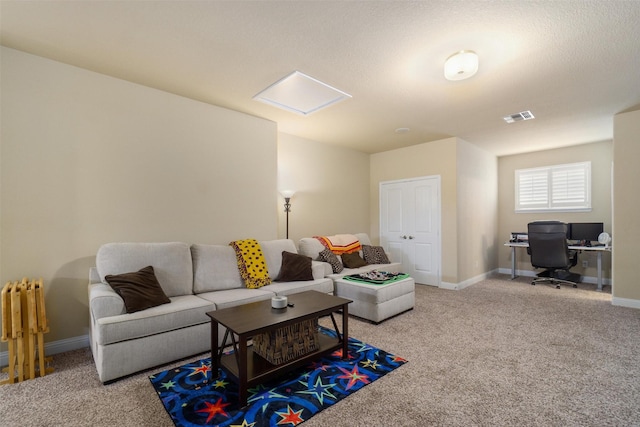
{"points": [[251, 263]]}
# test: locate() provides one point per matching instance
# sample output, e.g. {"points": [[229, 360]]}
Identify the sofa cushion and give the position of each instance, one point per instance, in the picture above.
{"points": [[215, 268], [353, 260], [374, 255], [184, 311], [311, 247], [294, 268], [287, 288], [272, 250], [320, 269], [171, 263], [139, 290], [234, 297], [364, 238], [327, 256]]}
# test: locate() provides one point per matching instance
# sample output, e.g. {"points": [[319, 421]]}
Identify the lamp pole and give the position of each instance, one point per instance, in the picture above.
{"points": [[287, 194], [287, 209]]}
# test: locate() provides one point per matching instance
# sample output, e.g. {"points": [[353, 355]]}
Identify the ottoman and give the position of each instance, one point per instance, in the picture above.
{"points": [[377, 302]]}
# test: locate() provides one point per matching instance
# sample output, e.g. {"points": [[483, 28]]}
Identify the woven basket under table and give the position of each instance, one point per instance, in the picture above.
{"points": [[287, 343]]}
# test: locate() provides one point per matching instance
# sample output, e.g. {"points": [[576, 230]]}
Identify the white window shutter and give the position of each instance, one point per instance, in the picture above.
{"points": [[554, 188], [571, 186], [532, 188]]}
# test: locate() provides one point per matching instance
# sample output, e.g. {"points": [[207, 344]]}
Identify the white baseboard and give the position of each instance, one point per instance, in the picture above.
{"points": [[522, 273], [55, 347], [448, 286], [474, 280], [531, 273], [519, 273], [466, 283], [625, 302]]}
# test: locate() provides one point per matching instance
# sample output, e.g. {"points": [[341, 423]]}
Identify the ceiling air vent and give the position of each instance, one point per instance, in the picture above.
{"points": [[523, 115]]}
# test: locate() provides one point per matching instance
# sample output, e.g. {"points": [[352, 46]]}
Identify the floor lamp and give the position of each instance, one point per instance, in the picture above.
{"points": [[287, 194]]}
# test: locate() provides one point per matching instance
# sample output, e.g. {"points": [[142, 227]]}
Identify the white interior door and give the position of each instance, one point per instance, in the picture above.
{"points": [[410, 226]]}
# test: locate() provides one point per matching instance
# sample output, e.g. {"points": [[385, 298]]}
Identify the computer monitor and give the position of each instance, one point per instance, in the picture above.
{"points": [[586, 231]]}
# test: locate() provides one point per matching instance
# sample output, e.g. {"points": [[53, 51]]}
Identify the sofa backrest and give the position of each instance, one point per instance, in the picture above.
{"points": [[311, 247], [214, 268], [272, 250], [171, 263], [364, 238]]}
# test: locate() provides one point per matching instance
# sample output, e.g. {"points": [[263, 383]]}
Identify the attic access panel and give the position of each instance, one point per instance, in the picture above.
{"points": [[301, 94]]}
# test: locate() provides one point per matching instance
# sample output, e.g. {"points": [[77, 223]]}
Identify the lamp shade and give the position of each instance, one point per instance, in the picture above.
{"points": [[461, 65], [287, 194]]}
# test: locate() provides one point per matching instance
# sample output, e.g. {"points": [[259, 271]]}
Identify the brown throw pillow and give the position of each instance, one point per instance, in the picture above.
{"points": [[374, 255], [328, 256], [294, 267], [353, 260], [139, 290]]}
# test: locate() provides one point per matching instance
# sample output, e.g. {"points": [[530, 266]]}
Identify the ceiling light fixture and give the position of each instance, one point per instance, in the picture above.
{"points": [[301, 94], [461, 65]]}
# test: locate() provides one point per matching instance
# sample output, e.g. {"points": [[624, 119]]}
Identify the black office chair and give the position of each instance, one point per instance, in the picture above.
{"points": [[549, 250]]}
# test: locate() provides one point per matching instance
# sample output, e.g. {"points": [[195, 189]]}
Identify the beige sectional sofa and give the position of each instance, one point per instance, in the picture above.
{"points": [[197, 279]]}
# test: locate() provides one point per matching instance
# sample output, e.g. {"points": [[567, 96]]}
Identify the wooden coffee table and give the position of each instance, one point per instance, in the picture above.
{"points": [[245, 321]]}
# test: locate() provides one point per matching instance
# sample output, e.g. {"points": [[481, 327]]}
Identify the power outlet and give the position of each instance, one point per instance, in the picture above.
{"points": [[585, 263]]}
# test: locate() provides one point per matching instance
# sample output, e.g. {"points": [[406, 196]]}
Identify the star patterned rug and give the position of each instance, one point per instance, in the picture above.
{"points": [[192, 398]]}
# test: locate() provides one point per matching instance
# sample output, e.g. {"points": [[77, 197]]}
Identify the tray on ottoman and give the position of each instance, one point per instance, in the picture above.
{"points": [[287, 343]]}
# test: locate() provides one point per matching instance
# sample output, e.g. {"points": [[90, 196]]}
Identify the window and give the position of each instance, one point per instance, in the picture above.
{"points": [[554, 188]]}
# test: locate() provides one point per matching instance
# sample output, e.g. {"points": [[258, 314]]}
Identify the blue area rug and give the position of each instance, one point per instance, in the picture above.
{"points": [[192, 400]]}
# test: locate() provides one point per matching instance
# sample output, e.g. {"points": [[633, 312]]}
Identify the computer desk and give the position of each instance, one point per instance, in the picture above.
{"points": [[598, 249]]}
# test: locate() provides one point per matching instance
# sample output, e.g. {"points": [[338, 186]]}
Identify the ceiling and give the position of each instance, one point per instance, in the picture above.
{"points": [[574, 64]]}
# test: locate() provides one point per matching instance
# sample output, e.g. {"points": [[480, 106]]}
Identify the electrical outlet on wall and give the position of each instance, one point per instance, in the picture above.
{"points": [[585, 263]]}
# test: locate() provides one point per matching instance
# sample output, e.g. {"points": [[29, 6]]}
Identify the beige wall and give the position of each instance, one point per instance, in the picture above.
{"points": [[600, 154], [429, 159], [331, 184], [88, 159], [626, 234], [477, 211]]}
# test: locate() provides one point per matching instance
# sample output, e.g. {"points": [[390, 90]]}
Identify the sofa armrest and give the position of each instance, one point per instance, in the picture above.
{"points": [[104, 301], [94, 276]]}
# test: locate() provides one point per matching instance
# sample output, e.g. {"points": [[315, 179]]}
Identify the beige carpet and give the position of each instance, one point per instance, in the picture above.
{"points": [[499, 353]]}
